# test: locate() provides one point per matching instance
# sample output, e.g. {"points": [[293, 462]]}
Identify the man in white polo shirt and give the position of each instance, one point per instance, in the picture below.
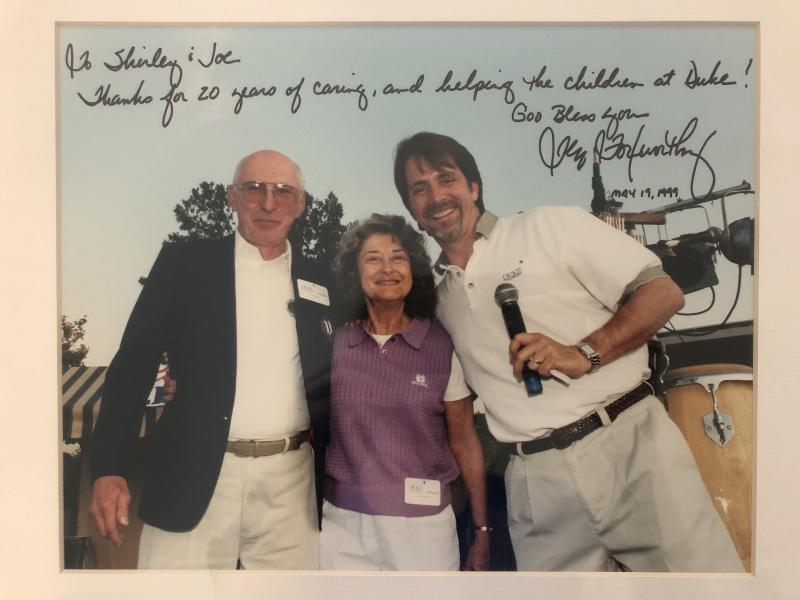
{"points": [[598, 476], [246, 323]]}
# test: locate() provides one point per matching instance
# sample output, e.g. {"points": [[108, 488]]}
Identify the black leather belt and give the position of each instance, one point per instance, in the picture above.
{"points": [[259, 448], [564, 437]]}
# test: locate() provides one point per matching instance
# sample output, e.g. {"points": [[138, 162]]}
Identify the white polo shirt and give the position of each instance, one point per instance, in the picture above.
{"points": [[571, 270], [270, 399]]}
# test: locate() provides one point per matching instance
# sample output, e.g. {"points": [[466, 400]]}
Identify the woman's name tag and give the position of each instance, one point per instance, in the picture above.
{"points": [[427, 492]]}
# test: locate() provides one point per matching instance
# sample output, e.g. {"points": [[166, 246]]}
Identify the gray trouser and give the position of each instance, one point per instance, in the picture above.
{"points": [[629, 491]]}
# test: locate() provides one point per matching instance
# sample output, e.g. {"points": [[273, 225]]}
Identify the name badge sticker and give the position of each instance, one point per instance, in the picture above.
{"points": [[427, 492], [313, 291]]}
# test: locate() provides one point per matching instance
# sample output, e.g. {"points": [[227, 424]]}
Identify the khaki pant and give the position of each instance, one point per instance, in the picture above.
{"points": [[629, 491], [263, 513]]}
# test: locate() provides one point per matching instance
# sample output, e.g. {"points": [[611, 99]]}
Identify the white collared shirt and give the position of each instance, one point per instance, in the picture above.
{"points": [[270, 399], [571, 270]]}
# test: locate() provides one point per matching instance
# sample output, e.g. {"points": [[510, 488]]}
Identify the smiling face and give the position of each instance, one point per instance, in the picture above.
{"points": [[384, 269], [265, 221], [441, 200]]}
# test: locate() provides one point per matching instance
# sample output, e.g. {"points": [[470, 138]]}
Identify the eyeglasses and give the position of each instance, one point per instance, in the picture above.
{"points": [[254, 192]]}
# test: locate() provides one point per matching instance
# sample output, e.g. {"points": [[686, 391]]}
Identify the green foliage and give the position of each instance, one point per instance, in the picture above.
{"points": [[319, 229], [205, 214], [73, 352]]}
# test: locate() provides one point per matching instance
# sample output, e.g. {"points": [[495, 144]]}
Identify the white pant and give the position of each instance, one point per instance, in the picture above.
{"points": [[359, 542], [630, 490], [263, 513]]}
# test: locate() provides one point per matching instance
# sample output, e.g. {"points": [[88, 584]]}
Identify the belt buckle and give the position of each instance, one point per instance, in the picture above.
{"points": [[560, 439]]}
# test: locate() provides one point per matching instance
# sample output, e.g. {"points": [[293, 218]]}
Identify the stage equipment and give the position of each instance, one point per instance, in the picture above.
{"points": [[689, 259]]}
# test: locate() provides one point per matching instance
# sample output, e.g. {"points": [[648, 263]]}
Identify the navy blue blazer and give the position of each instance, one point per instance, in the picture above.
{"points": [[187, 308]]}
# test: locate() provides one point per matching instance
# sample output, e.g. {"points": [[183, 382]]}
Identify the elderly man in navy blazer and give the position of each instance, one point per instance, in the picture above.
{"points": [[246, 323]]}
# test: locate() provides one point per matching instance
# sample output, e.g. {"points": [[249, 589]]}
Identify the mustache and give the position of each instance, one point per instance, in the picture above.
{"points": [[432, 209]]}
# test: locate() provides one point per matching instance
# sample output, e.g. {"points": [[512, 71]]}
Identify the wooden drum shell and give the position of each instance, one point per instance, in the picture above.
{"points": [[727, 471]]}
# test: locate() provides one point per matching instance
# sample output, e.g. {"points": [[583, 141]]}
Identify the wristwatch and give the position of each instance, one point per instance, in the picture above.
{"points": [[591, 354]]}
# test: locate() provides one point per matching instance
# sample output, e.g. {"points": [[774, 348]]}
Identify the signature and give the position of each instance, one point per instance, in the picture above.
{"points": [[552, 154], [613, 144]]}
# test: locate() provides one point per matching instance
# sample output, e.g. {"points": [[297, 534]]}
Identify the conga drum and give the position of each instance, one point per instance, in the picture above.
{"points": [[713, 407]]}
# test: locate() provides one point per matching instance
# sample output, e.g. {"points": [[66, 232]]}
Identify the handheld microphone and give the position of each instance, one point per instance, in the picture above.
{"points": [[506, 296]]}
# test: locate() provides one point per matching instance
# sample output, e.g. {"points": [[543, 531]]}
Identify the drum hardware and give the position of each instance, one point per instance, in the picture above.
{"points": [[658, 361], [717, 425]]}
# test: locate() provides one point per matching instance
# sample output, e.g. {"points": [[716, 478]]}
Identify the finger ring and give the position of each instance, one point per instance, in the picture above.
{"points": [[533, 360]]}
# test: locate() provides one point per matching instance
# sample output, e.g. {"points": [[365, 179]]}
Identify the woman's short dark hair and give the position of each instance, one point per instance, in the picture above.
{"points": [[438, 150], [421, 300]]}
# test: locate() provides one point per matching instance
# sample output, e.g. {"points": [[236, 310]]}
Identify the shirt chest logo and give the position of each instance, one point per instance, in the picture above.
{"points": [[512, 274], [420, 380]]}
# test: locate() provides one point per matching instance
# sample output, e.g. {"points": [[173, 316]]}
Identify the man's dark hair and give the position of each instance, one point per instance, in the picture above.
{"points": [[421, 300], [439, 151]]}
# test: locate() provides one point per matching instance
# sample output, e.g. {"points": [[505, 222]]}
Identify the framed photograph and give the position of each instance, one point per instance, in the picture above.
{"points": [[652, 122]]}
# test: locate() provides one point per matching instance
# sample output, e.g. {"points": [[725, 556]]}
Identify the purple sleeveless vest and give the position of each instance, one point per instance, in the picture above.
{"points": [[387, 419]]}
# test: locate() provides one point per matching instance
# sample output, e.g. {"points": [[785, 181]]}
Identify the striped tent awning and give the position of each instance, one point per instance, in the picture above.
{"points": [[81, 396]]}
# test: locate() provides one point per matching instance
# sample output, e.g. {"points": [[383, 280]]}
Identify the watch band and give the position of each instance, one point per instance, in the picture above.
{"points": [[591, 354]]}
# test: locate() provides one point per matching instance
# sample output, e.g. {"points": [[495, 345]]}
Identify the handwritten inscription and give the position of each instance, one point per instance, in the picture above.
{"points": [[612, 143], [103, 96], [695, 79], [553, 152], [548, 103], [414, 88], [320, 88], [127, 59], [538, 81], [247, 92], [645, 192], [476, 85], [73, 66], [602, 80], [218, 57]]}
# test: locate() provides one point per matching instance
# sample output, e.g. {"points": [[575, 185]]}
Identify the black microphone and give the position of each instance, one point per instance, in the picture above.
{"points": [[506, 296]]}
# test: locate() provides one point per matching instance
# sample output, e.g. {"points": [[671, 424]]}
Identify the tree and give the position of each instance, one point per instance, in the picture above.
{"points": [[319, 229], [206, 214], [73, 353]]}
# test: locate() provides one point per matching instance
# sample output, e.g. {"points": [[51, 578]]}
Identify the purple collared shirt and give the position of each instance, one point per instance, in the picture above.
{"points": [[387, 419]]}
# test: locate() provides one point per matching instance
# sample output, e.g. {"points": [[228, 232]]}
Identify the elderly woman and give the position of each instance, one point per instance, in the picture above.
{"points": [[401, 415]]}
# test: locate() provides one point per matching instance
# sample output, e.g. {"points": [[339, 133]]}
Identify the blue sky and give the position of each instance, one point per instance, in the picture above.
{"points": [[122, 172]]}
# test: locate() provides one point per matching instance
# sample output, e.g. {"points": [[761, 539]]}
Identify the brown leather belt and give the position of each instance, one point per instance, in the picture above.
{"points": [[259, 448], [564, 437]]}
